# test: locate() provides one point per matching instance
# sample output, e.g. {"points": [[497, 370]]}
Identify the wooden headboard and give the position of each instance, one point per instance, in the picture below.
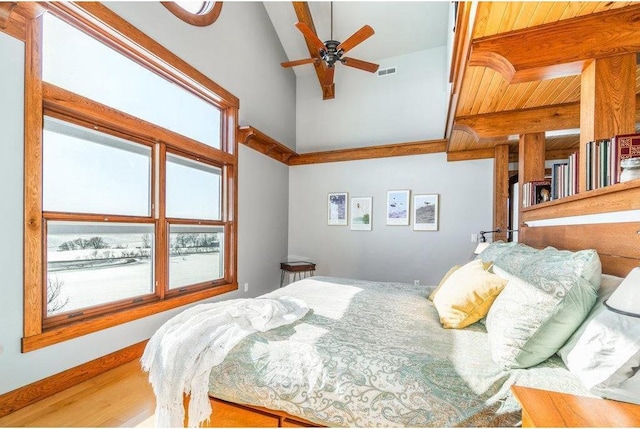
{"points": [[617, 242]]}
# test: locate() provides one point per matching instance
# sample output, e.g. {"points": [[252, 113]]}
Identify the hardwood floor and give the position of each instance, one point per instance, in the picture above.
{"points": [[121, 397]]}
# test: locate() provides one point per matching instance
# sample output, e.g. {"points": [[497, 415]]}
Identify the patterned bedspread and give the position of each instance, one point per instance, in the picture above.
{"points": [[374, 355]]}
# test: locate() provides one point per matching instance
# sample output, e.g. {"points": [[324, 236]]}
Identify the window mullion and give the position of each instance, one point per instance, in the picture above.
{"points": [[162, 246]]}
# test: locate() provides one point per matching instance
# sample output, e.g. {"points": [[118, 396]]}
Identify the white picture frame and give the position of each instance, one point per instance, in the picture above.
{"points": [[361, 209], [337, 208], [398, 207], [425, 212]]}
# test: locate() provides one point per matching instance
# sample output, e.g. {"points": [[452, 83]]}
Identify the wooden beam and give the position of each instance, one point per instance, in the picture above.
{"points": [[460, 57], [607, 102], [530, 162], [488, 126], [303, 13], [468, 155], [524, 121], [562, 48], [384, 151], [264, 144], [501, 191], [549, 154]]}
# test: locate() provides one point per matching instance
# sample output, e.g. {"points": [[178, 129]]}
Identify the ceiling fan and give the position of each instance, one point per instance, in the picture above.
{"points": [[332, 51]]}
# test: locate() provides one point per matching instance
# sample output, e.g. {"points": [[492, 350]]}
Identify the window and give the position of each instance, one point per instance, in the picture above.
{"points": [[129, 186], [199, 13]]}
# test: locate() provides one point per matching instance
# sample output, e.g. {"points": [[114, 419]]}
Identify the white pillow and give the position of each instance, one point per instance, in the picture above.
{"points": [[604, 352]]}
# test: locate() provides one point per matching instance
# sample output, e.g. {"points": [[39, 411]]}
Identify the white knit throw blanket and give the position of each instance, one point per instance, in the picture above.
{"points": [[180, 355]]}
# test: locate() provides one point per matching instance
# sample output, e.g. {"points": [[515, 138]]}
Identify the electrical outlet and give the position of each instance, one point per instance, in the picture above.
{"points": [[246, 287], [416, 282], [474, 238]]}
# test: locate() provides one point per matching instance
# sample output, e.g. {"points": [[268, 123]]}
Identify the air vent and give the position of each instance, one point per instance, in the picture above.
{"points": [[386, 72]]}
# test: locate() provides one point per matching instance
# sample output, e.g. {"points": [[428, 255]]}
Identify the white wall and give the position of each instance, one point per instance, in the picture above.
{"points": [[390, 253], [369, 110], [232, 52]]}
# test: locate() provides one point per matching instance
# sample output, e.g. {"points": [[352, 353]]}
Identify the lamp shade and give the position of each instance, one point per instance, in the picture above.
{"points": [[481, 246], [626, 298]]}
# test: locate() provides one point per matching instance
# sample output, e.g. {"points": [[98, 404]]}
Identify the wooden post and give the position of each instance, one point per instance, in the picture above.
{"points": [[607, 102], [501, 191], [530, 162]]}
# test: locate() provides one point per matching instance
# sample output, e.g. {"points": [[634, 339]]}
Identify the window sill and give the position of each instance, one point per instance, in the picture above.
{"points": [[68, 332]]}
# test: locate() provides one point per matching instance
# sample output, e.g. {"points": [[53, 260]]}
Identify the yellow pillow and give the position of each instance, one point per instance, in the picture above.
{"points": [[466, 296], [446, 276]]}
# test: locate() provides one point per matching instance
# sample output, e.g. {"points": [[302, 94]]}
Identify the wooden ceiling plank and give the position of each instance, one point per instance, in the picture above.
{"points": [[564, 95], [556, 12], [492, 92], [524, 95], [510, 16], [498, 10], [479, 93], [528, 11], [482, 15], [471, 85], [574, 42], [303, 13], [541, 93], [541, 13]]}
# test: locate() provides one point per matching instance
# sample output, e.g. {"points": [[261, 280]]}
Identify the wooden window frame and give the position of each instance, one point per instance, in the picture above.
{"points": [[198, 19], [42, 99]]}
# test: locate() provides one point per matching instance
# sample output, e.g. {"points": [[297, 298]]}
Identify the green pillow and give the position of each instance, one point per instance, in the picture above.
{"points": [[546, 299]]}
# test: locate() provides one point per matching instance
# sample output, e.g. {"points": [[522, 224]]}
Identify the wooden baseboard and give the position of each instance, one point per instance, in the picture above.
{"points": [[27, 395]]}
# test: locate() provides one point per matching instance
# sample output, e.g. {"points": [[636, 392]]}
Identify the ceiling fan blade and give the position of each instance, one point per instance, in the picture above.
{"points": [[310, 36], [299, 62], [359, 64], [356, 38], [328, 76]]}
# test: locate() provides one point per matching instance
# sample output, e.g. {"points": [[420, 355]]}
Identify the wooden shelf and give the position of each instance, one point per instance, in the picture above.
{"points": [[264, 144], [618, 197]]}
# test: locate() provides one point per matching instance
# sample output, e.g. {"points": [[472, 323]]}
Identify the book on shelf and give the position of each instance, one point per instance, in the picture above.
{"points": [[624, 146], [536, 192], [564, 177]]}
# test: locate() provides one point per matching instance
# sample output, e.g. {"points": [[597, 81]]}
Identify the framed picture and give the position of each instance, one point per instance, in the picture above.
{"points": [[361, 213], [425, 212], [337, 208], [398, 207]]}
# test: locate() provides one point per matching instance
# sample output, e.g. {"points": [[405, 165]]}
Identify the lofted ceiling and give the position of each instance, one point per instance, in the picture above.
{"points": [[485, 97], [400, 27]]}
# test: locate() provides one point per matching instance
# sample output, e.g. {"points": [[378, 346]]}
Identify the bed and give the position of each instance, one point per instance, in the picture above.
{"points": [[374, 354]]}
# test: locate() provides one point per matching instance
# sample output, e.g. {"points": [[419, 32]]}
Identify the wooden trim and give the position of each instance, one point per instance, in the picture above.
{"points": [[6, 8], [27, 395], [551, 154], [11, 22], [102, 23], [199, 20], [57, 335], [303, 13], [468, 155], [33, 234], [460, 57], [561, 48], [264, 144], [619, 197], [71, 105], [371, 152]]}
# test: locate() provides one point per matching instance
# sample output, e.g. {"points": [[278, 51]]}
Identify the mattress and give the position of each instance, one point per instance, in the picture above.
{"points": [[373, 354]]}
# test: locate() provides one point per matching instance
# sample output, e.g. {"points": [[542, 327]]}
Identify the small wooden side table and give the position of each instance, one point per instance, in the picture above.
{"points": [[300, 269], [544, 408]]}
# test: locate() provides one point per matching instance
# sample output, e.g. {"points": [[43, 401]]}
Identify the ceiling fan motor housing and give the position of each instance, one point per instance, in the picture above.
{"points": [[331, 54]]}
